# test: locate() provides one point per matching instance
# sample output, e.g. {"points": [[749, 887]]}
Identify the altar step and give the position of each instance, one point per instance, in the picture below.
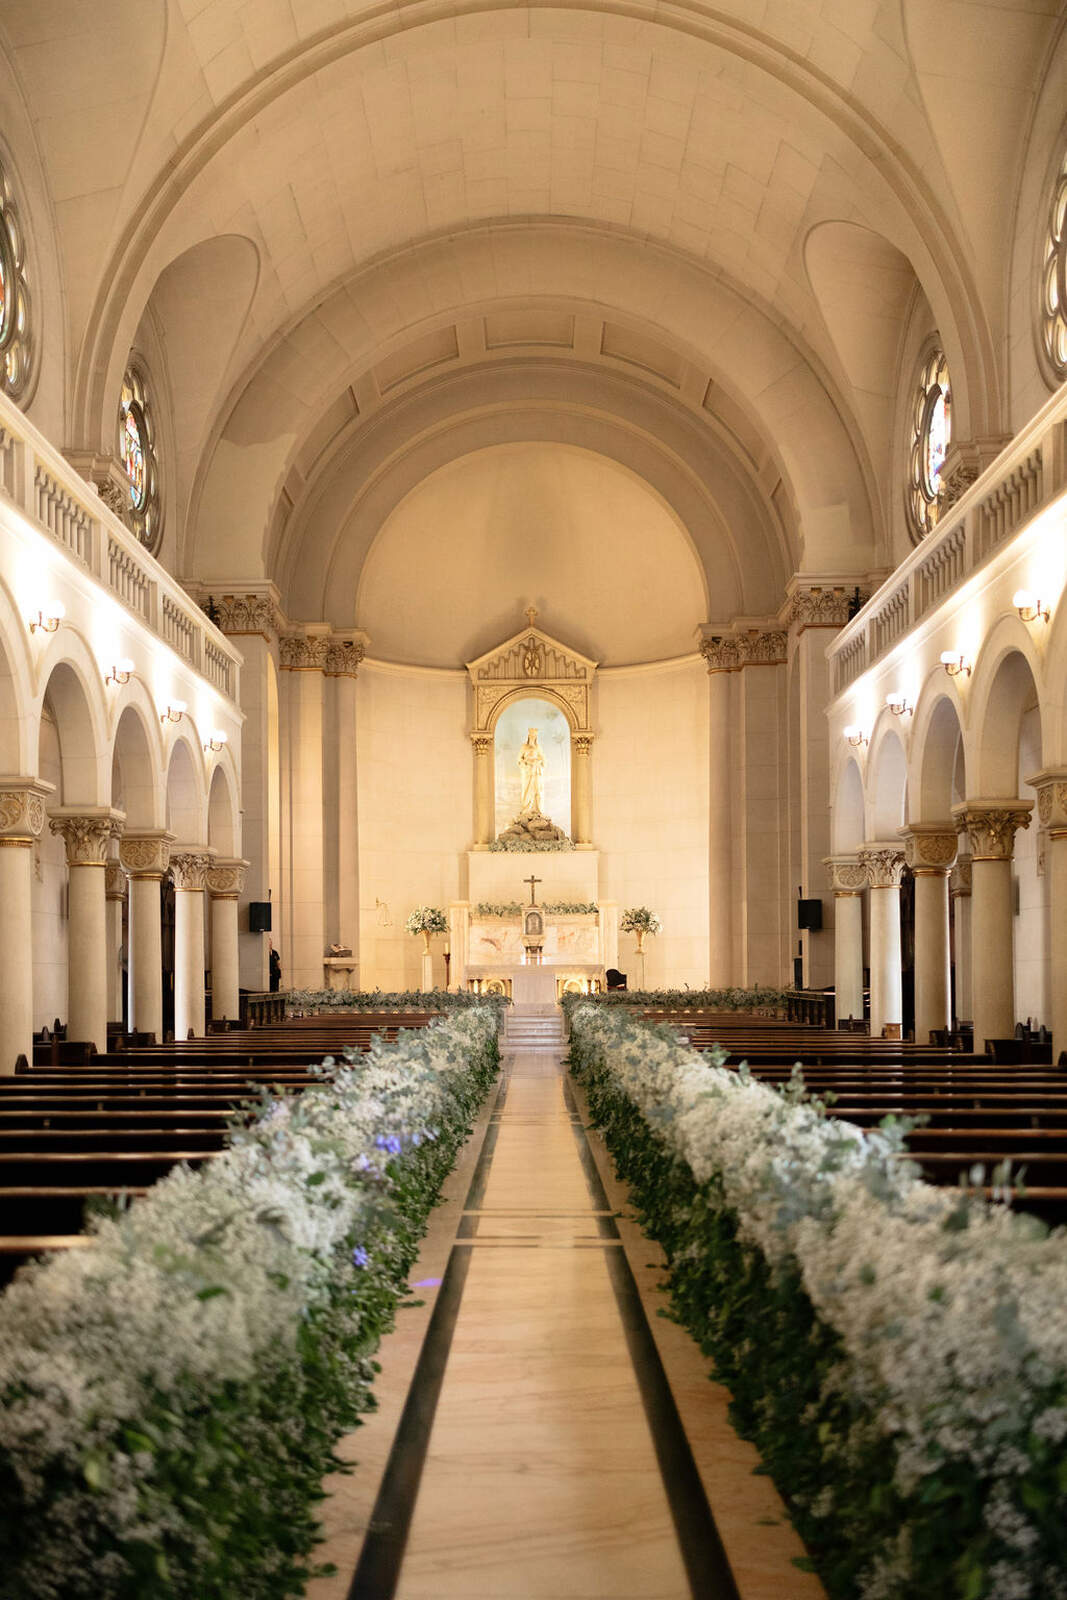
{"points": [[533, 1028]]}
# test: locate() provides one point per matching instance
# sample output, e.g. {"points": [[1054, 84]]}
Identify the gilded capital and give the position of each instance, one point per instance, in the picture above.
{"points": [[226, 878], [189, 866], [300, 652], [343, 657], [244, 613], [820, 606], [883, 864], [145, 852], [483, 743], [744, 647], [929, 847], [582, 743], [86, 832], [991, 826], [847, 874], [22, 803]]}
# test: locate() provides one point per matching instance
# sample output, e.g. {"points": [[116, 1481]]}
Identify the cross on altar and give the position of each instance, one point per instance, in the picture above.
{"points": [[531, 880]]}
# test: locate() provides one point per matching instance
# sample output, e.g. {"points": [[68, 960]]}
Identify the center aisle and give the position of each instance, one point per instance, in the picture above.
{"points": [[539, 1454]]}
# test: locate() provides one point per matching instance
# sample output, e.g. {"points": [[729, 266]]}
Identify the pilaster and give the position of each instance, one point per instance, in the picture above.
{"points": [[1051, 786], [22, 813]]}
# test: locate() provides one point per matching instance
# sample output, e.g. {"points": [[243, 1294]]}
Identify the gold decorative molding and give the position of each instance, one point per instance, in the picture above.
{"points": [[929, 847], [145, 852], [22, 803], [883, 864], [226, 878], [991, 826]]}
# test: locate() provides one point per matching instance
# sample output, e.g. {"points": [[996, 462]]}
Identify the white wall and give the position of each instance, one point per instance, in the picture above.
{"points": [[650, 813]]}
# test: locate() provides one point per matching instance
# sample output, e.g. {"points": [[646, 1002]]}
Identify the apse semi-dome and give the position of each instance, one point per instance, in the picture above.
{"points": [[608, 564]]}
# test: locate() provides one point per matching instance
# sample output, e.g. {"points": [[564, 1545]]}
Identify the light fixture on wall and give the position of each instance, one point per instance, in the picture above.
{"points": [[49, 617], [898, 704], [174, 712], [217, 740], [955, 663], [121, 671], [1029, 607], [854, 734]]}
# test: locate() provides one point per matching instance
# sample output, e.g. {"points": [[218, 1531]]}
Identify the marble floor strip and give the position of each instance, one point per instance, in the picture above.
{"points": [[547, 1448]]}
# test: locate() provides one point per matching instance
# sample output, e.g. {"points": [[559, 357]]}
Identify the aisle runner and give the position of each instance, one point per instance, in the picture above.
{"points": [[539, 1453]]}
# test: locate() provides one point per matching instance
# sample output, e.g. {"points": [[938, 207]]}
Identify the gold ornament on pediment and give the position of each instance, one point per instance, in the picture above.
{"points": [[533, 658]]}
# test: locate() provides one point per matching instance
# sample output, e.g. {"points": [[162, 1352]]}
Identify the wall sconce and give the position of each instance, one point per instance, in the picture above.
{"points": [[898, 705], [120, 672], [1029, 606], [174, 713], [854, 734], [49, 617], [955, 662], [217, 740]]}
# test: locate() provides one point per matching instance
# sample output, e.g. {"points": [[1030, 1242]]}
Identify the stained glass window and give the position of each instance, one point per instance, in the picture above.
{"points": [[931, 435], [137, 452], [1054, 280], [16, 328]]}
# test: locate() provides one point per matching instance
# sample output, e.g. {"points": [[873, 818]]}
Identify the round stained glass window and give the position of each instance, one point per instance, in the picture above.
{"points": [[16, 328], [931, 435], [1054, 280], [137, 452]]}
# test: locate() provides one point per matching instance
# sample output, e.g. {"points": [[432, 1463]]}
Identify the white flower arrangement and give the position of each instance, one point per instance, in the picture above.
{"points": [[196, 1364], [427, 919], [948, 1311], [639, 919]]}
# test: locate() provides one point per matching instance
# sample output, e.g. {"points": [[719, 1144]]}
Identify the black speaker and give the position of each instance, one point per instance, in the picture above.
{"points": [[809, 915], [259, 916]]}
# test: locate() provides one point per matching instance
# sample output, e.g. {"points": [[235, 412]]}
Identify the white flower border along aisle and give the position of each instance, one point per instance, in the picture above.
{"points": [[171, 1396], [897, 1351]]}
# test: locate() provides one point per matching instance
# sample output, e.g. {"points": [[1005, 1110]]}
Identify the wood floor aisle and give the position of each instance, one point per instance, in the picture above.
{"points": [[538, 1453]]}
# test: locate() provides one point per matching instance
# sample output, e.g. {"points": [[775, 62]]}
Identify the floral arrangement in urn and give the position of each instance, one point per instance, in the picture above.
{"points": [[640, 921], [426, 920]]}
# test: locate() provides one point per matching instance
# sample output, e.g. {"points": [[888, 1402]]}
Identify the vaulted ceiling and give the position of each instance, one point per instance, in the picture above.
{"points": [[359, 241]]}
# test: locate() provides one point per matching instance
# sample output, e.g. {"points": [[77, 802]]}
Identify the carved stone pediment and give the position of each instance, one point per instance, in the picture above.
{"points": [[534, 662]]}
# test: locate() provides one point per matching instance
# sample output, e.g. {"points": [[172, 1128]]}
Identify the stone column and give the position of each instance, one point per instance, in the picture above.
{"points": [[225, 882], [848, 879], [1051, 789], [582, 790], [484, 821], [22, 803], [960, 895], [189, 865], [87, 834], [342, 662], [991, 827], [721, 665], [884, 865], [114, 895], [145, 856], [930, 850]]}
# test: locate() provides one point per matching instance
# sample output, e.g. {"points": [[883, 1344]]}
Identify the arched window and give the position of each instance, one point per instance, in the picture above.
{"points": [[16, 322], [137, 452], [1053, 321], [931, 435]]}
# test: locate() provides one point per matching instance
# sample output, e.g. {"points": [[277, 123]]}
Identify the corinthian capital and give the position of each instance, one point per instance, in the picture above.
{"points": [[301, 652], [883, 863], [929, 847], [244, 613], [189, 865], [86, 832], [763, 646], [823, 606], [343, 657], [991, 826]]}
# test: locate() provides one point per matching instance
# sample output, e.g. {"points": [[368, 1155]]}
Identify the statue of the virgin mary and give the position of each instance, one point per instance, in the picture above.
{"points": [[532, 772]]}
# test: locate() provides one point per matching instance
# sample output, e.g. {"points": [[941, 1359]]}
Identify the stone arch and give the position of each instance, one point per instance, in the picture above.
{"points": [[222, 828], [1006, 687], [186, 809], [533, 691], [848, 825], [82, 747], [136, 786], [938, 750], [887, 782]]}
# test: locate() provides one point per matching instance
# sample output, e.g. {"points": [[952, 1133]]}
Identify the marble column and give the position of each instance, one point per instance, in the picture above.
{"points": [[959, 889], [22, 802], [484, 790], [87, 833], [225, 882], [189, 865], [114, 896], [720, 830], [145, 856], [582, 790], [848, 879], [930, 850], [1051, 787], [884, 865], [991, 826]]}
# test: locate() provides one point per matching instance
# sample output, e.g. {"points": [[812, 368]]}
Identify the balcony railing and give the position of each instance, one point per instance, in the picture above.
{"points": [[59, 502], [1030, 473]]}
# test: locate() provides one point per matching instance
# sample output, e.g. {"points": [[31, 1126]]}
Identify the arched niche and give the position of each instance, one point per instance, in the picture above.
{"points": [[532, 665]]}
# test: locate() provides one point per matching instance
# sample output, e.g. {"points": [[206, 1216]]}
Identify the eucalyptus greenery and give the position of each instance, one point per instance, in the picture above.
{"points": [[170, 1398], [897, 1351], [555, 908], [310, 1002], [759, 1001]]}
